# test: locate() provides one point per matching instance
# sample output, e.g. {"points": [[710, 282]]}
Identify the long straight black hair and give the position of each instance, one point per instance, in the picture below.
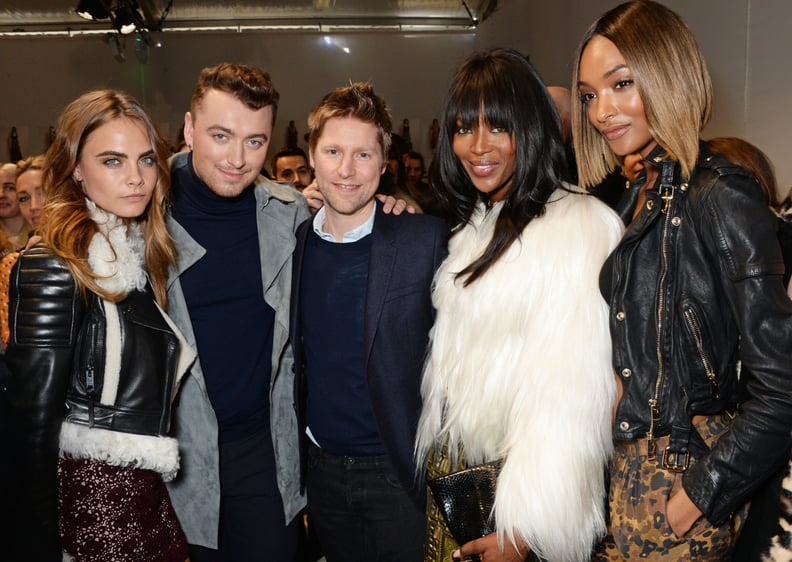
{"points": [[502, 87]]}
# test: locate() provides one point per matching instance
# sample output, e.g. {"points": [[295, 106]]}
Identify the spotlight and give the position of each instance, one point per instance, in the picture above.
{"points": [[124, 20], [92, 10]]}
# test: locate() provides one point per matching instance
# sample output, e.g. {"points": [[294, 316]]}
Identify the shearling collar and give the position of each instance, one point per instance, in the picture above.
{"points": [[116, 252]]}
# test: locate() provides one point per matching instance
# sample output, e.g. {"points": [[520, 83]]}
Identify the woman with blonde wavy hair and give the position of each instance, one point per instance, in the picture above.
{"points": [[699, 319], [95, 362]]}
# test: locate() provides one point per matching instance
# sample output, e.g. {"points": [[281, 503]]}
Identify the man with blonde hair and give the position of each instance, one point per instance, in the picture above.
{"points": [[360, 320]]}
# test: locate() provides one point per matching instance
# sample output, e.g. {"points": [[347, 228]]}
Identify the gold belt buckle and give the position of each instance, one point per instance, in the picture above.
{"points": [[675, 462]]}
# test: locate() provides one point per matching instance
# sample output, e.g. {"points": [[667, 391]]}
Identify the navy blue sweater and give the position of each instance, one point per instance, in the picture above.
{"points": [[333, 296], [233, 325]]}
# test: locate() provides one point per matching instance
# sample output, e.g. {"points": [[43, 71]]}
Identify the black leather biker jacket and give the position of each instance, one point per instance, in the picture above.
{"points": [[57, 356], [701, 324]]}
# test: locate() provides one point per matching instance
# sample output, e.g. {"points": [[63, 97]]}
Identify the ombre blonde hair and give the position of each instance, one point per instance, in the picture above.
{"points": [[672, 79], [67, 227]]}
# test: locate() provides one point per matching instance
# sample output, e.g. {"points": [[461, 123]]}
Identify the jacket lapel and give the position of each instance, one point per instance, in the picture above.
{"points": [[381, 263]]}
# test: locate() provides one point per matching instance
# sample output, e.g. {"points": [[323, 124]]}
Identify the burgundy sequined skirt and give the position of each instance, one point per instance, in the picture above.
{"points": [[116, 513]]}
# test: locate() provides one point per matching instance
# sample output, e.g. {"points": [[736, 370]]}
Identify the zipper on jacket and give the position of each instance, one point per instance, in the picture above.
{"points": [[667, 193], [692, 322], [90, 383]]}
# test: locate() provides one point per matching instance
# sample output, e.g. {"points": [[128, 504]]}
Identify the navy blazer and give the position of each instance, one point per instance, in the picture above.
{"points": [[406, 250]]}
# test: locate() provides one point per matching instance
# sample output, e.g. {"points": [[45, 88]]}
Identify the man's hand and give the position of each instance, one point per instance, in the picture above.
{"points": [[396, 206], [314, 197], [488, 549]]}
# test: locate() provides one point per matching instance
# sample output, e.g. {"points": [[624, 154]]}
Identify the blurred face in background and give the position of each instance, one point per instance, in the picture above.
{"points": [[30, 195], [414, 169], [9, 204], [294, 170]]}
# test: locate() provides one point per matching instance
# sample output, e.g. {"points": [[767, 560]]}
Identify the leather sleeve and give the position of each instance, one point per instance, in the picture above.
{"points": [[741, 232], [44, 313]]}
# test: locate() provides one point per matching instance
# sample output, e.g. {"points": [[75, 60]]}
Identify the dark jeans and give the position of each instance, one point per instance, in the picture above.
{"points": [[252, 525], [360, 510]]}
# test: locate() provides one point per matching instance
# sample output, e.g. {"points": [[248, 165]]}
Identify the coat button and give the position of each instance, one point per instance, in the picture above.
{"points": [[683, 187], [624, 425], [650, 205], [626, 373], [620, 316], [676, 221]]}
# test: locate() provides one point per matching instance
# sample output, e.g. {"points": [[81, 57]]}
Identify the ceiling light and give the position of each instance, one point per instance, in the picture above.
{"points": [[124, 20], [92, 10]]}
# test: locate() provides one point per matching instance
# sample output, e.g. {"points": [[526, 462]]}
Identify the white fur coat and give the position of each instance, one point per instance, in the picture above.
{"points": [[520, 369], [116, 254]]}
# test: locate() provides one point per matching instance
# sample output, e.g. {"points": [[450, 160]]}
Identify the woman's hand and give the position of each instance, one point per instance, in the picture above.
{"points": [[681, 513], [489, 550]]}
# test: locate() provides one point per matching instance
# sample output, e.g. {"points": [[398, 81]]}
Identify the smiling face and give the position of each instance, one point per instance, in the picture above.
{"points": [[348, 161], [488, 156], [613, 104], [117, 167], [229, 141]]}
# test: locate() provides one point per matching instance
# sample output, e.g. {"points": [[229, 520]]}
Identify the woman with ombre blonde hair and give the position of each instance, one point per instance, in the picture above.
{"points": [[695, 293]]}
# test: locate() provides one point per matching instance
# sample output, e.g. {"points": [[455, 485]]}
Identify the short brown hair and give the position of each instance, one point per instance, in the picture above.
{"points": [[249, 84], [672, 80], [357, 100]]}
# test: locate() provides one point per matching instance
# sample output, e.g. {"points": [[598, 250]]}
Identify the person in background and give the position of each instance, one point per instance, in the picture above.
{"points": [[13, 222], [30, 191], [238, 496], [503, 381], [418, 189], [290, 165], [699, 319], [360, 277], [415, 167], [89, 412]]}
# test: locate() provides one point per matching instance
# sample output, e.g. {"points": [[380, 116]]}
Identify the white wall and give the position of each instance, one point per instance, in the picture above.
{"points": [[747, 44], [38, 76]]}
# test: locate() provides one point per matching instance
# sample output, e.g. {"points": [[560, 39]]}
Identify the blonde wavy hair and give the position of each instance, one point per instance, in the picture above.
{"points": [[672, 80], [67, 227]]}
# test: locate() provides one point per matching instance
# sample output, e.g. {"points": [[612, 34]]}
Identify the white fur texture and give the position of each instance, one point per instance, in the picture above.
{"points": [[160, 454], [781, 544], [520, 369], [116, 252], [112, 370]]}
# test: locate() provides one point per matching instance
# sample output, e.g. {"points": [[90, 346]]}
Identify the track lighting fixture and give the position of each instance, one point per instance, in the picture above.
{"points": [[92, 10], [125, 19]]}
